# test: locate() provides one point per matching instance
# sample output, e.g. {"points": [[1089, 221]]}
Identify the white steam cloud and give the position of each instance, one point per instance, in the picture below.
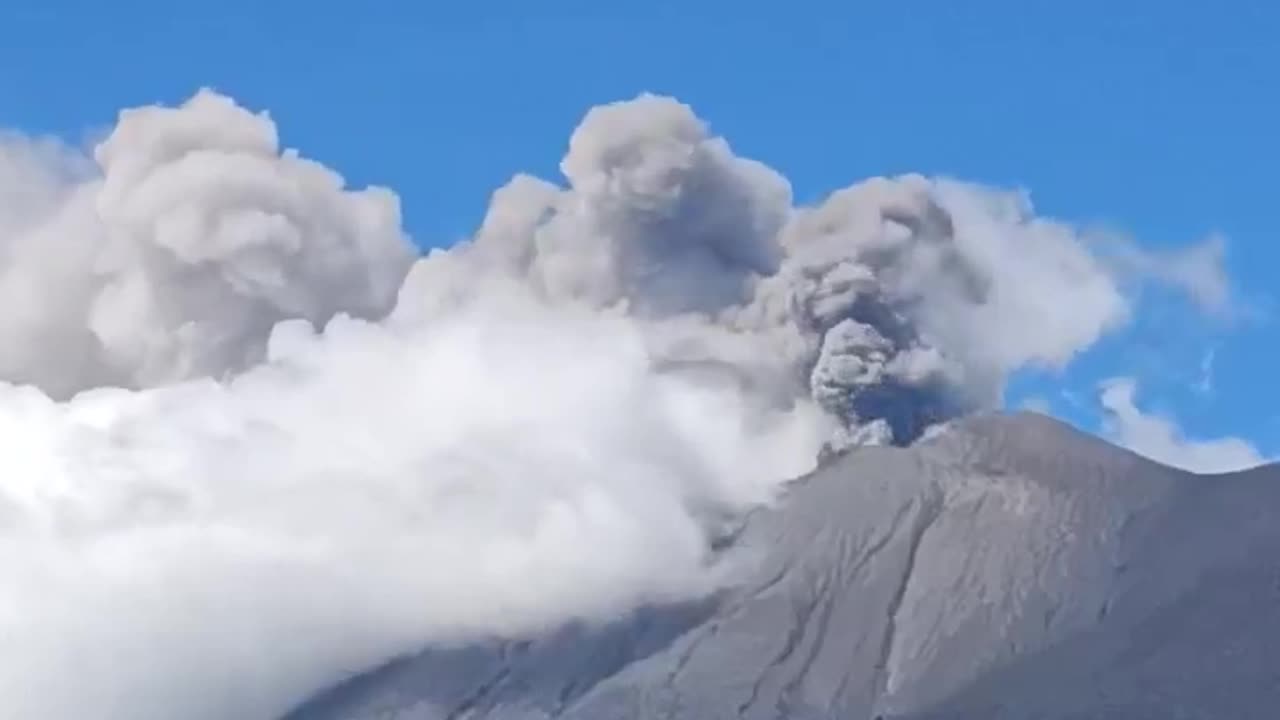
{"points": [[252, 443]]}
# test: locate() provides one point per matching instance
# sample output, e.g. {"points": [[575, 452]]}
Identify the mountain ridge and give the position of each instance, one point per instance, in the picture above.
{"points": [[907, 583]]}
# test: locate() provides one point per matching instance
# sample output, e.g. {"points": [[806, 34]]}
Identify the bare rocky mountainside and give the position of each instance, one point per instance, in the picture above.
{"points": [[1009, 567]]}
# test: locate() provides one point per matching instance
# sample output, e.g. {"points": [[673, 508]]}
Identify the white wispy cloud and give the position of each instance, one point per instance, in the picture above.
{"points": [[1159, 437]]}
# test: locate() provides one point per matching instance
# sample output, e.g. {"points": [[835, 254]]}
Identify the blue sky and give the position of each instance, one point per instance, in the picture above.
{"points": [[1158, 118]]}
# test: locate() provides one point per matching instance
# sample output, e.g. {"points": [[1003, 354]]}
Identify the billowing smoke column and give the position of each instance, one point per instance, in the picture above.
{"points": [[197, 237], [870, 304], [865, 358], [252, 441], [663, 220]]}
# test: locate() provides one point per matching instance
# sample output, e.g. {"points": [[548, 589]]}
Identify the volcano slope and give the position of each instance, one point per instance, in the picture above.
{"points": [[1010, 567]]}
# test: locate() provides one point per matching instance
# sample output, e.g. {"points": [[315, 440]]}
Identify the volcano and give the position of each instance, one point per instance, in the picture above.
{"points": [[1006, 567]]}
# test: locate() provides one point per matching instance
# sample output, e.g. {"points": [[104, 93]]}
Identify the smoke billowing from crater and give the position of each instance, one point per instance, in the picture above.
{"points": [[254, 442]]}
